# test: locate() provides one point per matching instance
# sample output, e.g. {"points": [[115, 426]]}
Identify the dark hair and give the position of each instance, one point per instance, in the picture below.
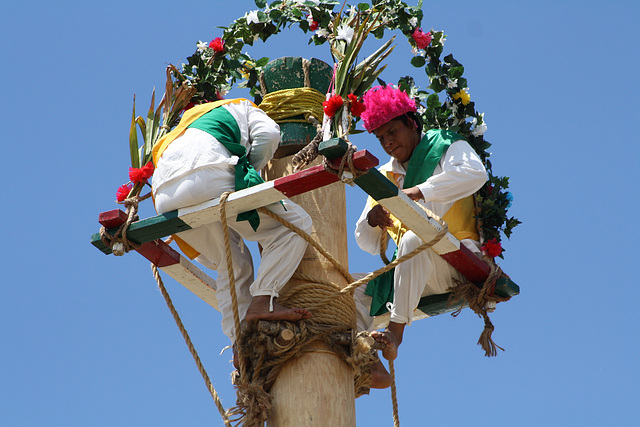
{"points": [[409, 117]]}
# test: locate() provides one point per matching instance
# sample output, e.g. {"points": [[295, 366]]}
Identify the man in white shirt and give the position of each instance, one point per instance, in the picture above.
{"points": [[219, 147], [436, 169]]}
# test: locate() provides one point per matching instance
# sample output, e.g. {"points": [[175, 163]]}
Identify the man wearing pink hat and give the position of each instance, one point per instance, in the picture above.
{"points": [[439, 170]]}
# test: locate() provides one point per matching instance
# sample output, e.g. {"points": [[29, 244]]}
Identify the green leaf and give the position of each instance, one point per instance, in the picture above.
{"points": [[261, 3], [363, 6], [418, 61], [133, 138], [456, 72], [433, 101]]}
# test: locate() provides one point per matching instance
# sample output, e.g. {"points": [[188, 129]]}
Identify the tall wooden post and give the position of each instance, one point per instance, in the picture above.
{"points": [[316, 389]]}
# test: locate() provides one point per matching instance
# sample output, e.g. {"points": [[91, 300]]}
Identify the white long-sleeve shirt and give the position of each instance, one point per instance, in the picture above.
{"points": [[194, 149], [459, 174]]}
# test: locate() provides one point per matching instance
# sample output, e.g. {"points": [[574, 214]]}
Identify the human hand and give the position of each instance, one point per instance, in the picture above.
{"points": [[379, 217], [414, 193]]}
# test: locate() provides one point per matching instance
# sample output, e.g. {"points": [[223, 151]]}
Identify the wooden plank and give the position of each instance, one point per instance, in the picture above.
{"points": [[160, 226], [171, 262]]}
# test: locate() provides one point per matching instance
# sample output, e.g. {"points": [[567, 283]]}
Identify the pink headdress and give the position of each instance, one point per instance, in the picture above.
{"points": [[384, 103]]}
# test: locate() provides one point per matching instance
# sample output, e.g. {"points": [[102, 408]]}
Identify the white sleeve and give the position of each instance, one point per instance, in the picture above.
{"points": [[367, 237], [264, 137], [462, 175]]}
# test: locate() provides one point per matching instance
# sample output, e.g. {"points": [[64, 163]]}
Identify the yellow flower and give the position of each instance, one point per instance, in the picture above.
{"points": [[463, 96], [246, 67]]}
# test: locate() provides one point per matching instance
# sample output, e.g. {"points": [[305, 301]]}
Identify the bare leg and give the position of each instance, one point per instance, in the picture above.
{"points": [[259, 310], [391, 337], [380, 378]]}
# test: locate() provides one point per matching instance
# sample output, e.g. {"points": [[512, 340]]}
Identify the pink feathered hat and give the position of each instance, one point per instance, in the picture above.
{"points": [[385, 103]]}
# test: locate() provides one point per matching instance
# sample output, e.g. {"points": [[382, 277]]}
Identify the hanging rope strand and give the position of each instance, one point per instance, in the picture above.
{"points": [[190, 345]]}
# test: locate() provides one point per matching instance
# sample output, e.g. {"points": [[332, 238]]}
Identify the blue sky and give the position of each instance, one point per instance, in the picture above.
{"points": [[87, 339]]}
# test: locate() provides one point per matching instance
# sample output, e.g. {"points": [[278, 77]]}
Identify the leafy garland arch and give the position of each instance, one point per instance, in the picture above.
{"points": [[217, 66]]}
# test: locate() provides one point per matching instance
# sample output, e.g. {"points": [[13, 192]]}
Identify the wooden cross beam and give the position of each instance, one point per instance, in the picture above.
{"points": [[411, 215], [170, 262], [173, 222]]}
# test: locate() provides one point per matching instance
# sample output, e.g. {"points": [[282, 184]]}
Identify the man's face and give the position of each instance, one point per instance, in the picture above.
{"points": [[397, 139]]}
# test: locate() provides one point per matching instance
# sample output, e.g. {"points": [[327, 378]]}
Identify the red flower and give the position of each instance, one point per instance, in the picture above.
{"points": [[313, 26], [357, 107], [123, 192], [332, 105], [217, 44], [422, 39], [141, 175], [492, 247]]}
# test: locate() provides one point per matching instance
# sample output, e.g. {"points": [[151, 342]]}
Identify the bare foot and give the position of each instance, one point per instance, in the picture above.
{"points": [[390, 342], [380, 378], [259, 310]]}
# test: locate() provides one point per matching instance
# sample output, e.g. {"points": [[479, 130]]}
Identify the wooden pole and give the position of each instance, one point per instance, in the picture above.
{"points": [[316, 389]]}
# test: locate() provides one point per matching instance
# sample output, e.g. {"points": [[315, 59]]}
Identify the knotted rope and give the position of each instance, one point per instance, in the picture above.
{"points": [[481, 301], [118, 241], [283, 106]]}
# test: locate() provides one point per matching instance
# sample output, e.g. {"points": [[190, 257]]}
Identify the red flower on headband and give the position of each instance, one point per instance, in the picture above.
{"points": [[331, 105], [123, 192], [492, 247], [422, 39], [357, 107], [217, 44], [141, 175]]}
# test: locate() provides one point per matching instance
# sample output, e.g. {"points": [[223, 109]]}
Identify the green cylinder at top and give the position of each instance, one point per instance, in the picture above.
{"points": [[288, 73]]}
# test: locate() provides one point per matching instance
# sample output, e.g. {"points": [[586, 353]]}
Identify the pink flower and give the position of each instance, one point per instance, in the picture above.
{"points": [[357, 107], [123, 192], [422, 39], [332, 105], [492, 247], [217, 44], [313, 26], [141, 175]]}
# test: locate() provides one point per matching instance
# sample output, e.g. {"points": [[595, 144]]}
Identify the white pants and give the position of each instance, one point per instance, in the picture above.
{"points": [[423, 275], [282, 249]]}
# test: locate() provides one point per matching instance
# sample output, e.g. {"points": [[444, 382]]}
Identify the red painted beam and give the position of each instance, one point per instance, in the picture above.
{"points": [[317, 176], [156, 251]]}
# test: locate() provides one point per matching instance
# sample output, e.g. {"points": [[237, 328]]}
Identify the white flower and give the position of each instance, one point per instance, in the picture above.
{"points": [[322, 32], [345, 33], [252, 17], [256, 37], [452, 83], [452, 106], [478, 129], [413, 21], [316, 2], [202, 46]]}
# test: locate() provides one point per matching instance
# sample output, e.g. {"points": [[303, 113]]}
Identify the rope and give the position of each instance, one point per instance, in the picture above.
{"points": [[480, 301], [118, 241], [286, 104], [230, 273], [394, 395], [190, 345]]}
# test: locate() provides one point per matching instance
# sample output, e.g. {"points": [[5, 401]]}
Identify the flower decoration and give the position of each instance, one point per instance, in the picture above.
{"points": [[141, 175], [463, 96], [223, 63], [421, 39], [492, 247], [123, 192], [217, 44], [356, 107], [331, 105]]}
